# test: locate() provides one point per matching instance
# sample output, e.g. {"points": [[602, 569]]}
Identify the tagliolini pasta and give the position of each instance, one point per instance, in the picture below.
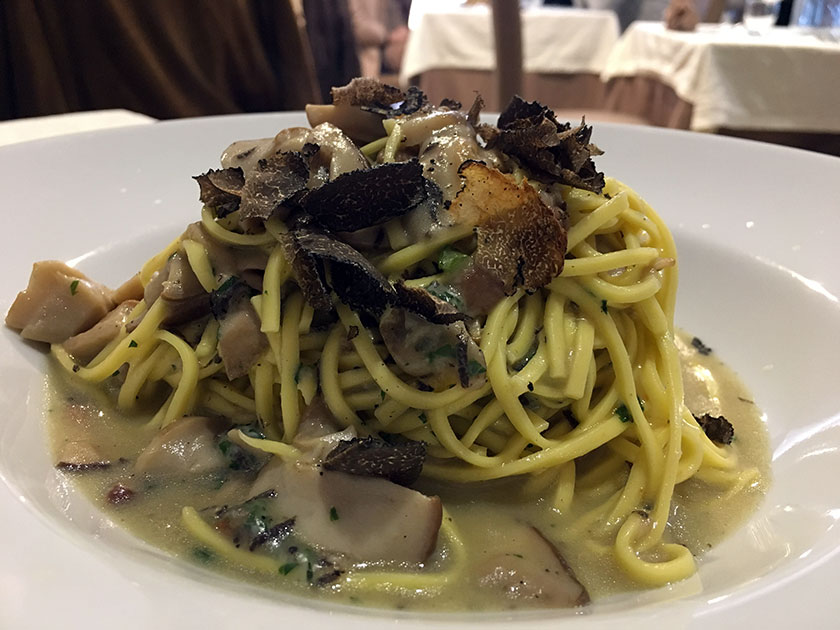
{"points": [[565, 382]]}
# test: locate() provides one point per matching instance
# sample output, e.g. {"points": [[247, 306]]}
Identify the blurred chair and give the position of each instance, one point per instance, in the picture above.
{"points": [[165, 58]]}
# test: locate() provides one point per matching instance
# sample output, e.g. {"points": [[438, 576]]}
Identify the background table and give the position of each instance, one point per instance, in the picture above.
{"points": [[782, 86], [451, 52]]}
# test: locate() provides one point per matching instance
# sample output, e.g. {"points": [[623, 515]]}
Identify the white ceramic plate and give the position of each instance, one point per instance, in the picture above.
{"points": [[756, 226]]}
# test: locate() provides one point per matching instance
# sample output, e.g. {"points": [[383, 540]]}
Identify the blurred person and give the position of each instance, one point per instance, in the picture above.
{"points": [[164, 58], [381, 31]]}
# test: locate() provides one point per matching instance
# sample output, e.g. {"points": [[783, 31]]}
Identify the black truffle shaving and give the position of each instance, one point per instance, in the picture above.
{"points": [[220, 190], [367, 93], [717, 428], [354, 279], [399, 461], [365, 198], [380, 98], [531, 132], [274, 182], [308, 272], [413, 101], [431, 308], [701, 347], [475, 110], [451, 103], [277, 533]]}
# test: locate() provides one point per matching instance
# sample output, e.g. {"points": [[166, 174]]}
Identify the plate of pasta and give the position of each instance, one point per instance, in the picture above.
{"points": [[389, 362]]}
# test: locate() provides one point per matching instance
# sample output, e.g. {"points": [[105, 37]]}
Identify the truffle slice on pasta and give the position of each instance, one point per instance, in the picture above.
{"points": [[520, 240]]}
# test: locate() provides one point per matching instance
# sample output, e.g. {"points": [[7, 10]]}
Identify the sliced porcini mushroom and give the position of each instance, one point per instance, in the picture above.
{"points": [[367, 518], [180, 290], [319, 431], [559, 152], [187, 446], [86, 345], [446, 149], [337, 153], [131, 289], [366, 198], [59, 302], [419, 126], [227, 260], [438, 353], [241, 342], [275, 181], [246, 154], [400, 462], [520, 240], [355, 280], [531, 571], [221, 190], [359, 125]]}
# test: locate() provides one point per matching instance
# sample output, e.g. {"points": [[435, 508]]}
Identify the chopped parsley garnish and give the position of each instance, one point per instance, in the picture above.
{"points": [[288, 568], [309, 573], [447, 294], [604, 306], [444, 352], [74, 286], [450, 259], [423, 417], [623, 413], [132, 344], [333, 514], [202, 554], [474, 368]]}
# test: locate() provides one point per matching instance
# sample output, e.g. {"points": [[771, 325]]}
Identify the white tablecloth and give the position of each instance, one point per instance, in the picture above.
{"points": [[785, 80], [554, 40]]}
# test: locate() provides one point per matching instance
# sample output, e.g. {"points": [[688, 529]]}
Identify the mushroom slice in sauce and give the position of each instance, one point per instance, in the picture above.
{"points": [[177, 285], [366, 518], [241, 342], [359, 125], [86, 345], [440, 354], [59, 302], [400, 462], [521, 240], [337, 153], [188, 446], [363, 199], [531, 572]]}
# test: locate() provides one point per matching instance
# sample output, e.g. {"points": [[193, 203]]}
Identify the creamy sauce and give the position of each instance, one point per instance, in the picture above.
{"points": [[492, 519]]}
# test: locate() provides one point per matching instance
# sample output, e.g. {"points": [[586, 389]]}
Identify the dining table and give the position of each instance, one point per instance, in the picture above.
{"points": [[781, 85], [451, 53]]}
